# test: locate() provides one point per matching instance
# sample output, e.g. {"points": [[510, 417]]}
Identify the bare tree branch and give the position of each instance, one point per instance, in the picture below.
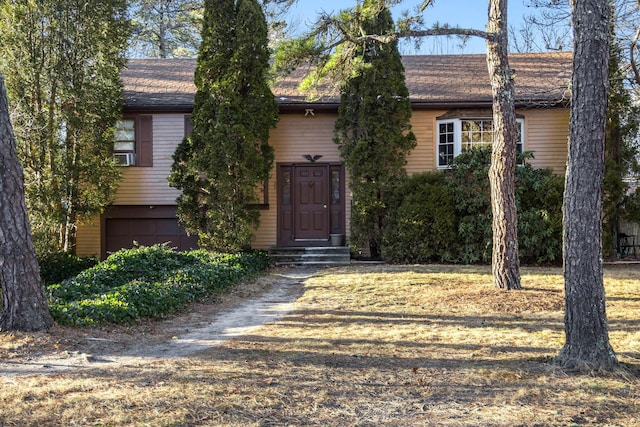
{"points": [[445, 31]]}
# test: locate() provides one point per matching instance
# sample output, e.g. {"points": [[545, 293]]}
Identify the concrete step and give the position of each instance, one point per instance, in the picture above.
{"points": [[330, 255]]}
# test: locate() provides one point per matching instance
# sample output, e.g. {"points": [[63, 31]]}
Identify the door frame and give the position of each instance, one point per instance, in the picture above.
{"points": [[287, 205]]}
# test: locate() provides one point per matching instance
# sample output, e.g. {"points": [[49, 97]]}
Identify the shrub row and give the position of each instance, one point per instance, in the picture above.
{"points": [[147, 282], [446, 216]]}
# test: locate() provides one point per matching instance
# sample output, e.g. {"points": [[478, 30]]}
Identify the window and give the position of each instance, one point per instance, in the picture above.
{"points": [[335, 187], [124, 149], [286, 188], [133, 144], [455, 135]]}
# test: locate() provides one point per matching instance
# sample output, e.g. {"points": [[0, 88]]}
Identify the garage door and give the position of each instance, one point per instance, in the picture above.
{"points": [[126, 232]]}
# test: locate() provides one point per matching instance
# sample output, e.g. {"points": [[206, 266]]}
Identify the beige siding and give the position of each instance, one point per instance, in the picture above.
{"points": [[88, 238], [148, 185], [423, 157], [546, 135], [297, 135], [265, 236]]}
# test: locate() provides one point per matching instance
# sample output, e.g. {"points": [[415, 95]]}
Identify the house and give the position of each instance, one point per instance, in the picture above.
{"points": [[306, 199]]}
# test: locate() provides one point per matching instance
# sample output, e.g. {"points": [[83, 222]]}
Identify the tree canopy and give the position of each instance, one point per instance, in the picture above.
{"points": [[62, 61], [166, 28], [171, 28]]}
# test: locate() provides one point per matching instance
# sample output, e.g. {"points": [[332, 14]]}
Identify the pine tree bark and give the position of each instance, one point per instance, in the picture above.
{"points": [[505, 258], [24, 306], [587, 344]]}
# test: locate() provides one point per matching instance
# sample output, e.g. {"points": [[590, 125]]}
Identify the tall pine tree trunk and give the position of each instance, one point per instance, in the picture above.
{"points": [[587, 337], [505, 259], [24, 306]]}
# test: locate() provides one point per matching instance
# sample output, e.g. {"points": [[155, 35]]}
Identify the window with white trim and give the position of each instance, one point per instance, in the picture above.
{"points": [[456, 135]]}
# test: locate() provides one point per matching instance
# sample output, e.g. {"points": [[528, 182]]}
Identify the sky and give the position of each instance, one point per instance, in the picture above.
{"points": [[462, 13]]}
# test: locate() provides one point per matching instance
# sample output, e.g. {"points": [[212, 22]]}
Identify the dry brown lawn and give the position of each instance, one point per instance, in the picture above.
{"points": [[365, 346]]}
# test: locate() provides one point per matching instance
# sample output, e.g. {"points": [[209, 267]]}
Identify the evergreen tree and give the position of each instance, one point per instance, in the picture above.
{"points": [[221, 164], [373, 129], [62, 61]]}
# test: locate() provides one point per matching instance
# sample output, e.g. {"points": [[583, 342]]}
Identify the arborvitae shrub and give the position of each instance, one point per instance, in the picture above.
{"points": [[373, 128]]}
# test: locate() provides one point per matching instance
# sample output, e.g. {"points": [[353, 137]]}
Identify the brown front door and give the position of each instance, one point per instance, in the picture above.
{"points": [[310, 203]]}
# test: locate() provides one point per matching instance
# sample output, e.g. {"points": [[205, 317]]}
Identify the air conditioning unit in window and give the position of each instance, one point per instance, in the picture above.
{"points": [[125, 159]]}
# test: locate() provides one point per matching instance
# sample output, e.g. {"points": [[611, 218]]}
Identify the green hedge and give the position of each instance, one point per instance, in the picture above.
{"points": [[446, 216], [147, 282], [58, 266], [422, 223], [539, 194]]}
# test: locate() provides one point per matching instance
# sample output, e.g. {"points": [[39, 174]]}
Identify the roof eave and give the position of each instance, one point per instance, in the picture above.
{"points": [[298, 106], [447, 105], [177, 108], [334, 105]]}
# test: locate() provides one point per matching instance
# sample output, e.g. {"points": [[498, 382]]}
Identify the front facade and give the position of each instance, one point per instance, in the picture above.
{"points": [[306, 201]]}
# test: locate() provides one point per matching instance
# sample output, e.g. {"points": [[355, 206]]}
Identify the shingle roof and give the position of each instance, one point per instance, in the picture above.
{"points": [[159, 83], [539, 77], [433, 80]]}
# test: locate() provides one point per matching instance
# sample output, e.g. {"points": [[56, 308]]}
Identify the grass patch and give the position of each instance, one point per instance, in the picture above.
{"points": [[147, 282], [366, 346]]}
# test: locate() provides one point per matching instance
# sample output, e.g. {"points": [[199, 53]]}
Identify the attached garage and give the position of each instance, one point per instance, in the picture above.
{"points": [[127, 226]]}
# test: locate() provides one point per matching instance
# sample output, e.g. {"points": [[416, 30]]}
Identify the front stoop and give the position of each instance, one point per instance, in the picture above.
{"points": [[328, 255]]}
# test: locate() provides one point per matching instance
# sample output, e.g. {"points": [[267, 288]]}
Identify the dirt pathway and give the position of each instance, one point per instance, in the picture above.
{"points": [[206, 326]]}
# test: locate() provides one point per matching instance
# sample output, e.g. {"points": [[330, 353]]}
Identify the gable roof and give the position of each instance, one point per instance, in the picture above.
{"points": [[434, 81]]}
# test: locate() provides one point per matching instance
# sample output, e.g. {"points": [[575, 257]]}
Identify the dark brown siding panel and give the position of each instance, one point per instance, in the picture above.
{"points": [[145, 141], [188, 126]]}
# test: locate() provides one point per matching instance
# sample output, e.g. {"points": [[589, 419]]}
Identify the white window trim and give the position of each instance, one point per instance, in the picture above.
{"points": [[457, 136]]}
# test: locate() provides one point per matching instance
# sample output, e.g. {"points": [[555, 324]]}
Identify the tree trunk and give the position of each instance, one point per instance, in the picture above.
{"points": [[162, 30], [587, 338], [24, 306], [505, 259]]}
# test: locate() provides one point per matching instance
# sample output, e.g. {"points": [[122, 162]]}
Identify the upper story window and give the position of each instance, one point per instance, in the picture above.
{"points": [[133, 144], [455, 135], [124, 149]]}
